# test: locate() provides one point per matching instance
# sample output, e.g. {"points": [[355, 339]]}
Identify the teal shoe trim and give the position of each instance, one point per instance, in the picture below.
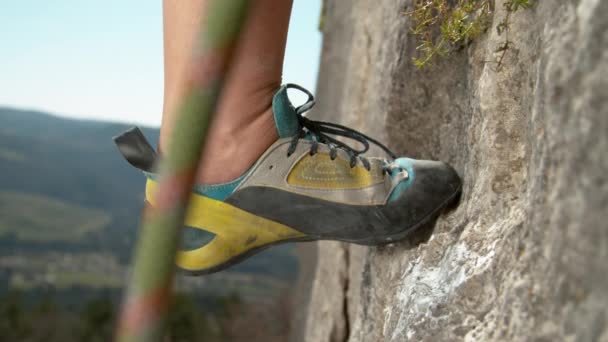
{"points": [[219, 191], [285, 117], [408, 165]]}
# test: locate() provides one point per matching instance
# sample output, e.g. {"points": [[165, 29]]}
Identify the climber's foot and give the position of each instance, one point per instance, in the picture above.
{"points": [[306, 186]]}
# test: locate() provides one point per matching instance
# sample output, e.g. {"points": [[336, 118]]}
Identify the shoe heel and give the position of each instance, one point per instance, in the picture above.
{"points": [[238, 233]]}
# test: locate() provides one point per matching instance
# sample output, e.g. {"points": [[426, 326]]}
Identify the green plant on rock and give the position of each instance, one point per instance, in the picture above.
{"points": [[503, 29], [443, 26]]}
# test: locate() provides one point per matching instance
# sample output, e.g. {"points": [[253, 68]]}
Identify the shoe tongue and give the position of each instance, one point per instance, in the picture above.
{"points": [[285, 117]]}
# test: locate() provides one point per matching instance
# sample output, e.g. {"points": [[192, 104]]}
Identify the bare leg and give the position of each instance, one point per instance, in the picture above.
{"points": [[243, 126]]}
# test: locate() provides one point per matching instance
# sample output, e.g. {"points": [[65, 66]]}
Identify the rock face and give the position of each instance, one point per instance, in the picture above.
{"points": [[525, 254]]}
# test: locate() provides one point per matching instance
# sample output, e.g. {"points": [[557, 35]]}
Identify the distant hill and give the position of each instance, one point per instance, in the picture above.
{"points": [[65, 188]]}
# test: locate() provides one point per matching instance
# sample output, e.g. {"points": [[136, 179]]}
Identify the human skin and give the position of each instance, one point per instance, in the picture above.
{"points": [[243, 125]]}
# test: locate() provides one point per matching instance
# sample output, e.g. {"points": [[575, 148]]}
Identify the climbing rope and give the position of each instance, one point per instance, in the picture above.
{"points": [[148, 294]]}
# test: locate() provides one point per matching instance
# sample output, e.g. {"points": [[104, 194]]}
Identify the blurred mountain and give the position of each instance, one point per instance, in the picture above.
{"points": [[72, 163], [67, 194]]}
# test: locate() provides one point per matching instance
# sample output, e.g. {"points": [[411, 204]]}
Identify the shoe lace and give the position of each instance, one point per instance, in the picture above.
{"points": [[321, 131]]}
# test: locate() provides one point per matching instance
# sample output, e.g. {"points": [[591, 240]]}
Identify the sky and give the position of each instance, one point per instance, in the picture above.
{"points": [[103, 59]]}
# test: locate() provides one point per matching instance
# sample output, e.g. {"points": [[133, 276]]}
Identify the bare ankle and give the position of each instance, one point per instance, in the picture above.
{"points": [[243, 128], [232, 149]]}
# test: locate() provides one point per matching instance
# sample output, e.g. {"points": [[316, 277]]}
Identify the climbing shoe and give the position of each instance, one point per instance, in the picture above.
{"points": [[307, 186]]}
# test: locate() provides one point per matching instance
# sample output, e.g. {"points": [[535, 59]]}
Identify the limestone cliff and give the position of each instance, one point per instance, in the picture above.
{"points": [[525, 254]]}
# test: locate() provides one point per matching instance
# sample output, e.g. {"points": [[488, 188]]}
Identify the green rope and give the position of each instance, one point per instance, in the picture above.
{"points": [[145, 307]]}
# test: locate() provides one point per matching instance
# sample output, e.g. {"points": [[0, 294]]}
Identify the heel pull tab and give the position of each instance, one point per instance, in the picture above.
{"points": [[136, 149]]}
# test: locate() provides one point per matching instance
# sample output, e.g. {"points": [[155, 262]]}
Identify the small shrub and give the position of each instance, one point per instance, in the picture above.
{"points": [[443, 26]]}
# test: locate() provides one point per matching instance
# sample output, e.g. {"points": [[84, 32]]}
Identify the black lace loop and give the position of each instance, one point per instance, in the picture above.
{"points": [[320, 132]]}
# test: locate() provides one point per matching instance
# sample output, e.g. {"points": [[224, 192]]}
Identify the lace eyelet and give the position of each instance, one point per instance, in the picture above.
{"points": [[325, 133]]}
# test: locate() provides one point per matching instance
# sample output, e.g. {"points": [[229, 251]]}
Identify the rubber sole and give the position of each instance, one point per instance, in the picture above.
{"points": [[390, 238], [372, 241]]}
